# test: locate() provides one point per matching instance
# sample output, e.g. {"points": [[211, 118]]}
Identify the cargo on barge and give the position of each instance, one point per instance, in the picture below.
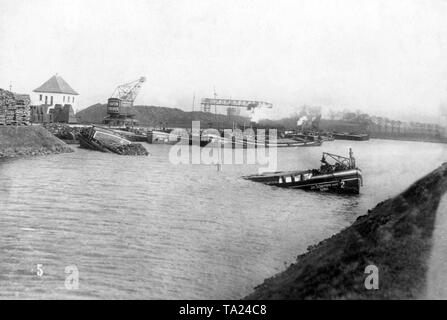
{"points": [[342, 176]]}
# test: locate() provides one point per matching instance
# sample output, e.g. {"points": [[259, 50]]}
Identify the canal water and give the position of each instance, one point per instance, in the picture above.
{"points": [[144, 228]]}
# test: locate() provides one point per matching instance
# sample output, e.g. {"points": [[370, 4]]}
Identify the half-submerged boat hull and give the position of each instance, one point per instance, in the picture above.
{"points": [[104, 140], [342, 177], [91, 144], [346, 181]]}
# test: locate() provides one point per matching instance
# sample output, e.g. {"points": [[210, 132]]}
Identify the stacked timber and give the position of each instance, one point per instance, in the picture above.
{"points": [[39, 114], [22, 112], [6, 101], [10, 114], [14, 108], [63, 114], [63, 131]]}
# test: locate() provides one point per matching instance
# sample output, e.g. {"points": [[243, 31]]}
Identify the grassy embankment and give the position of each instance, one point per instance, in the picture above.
{"points": [[29, 141], [395, 236]]}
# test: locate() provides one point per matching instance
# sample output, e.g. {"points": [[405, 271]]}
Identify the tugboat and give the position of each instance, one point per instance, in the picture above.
{"points": [[342, 176]]}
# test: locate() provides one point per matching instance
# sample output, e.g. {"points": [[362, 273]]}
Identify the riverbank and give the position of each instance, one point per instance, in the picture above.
{"points": [[403, 138], [395, 236], [29, 141]]}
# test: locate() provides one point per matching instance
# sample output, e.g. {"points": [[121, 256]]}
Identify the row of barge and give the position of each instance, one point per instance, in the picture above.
{"points": [[339, 174], [70, 134]]}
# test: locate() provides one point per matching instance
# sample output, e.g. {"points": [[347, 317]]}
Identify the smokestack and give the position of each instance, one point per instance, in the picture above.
{"points": [[254, 116], [301, 121]]}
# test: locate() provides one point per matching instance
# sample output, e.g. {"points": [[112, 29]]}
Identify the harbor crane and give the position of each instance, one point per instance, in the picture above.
{"points": [[121, 99]]}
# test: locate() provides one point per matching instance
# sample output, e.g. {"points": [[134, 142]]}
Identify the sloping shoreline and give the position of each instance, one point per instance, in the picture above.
{"points": [[22, 141], [395, 236]]}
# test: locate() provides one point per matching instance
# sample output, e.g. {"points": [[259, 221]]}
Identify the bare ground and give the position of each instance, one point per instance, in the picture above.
{"points": [[29, 141]]}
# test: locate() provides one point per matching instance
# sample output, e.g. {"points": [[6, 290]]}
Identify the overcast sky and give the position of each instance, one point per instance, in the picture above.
{"points": [[383, 57]]}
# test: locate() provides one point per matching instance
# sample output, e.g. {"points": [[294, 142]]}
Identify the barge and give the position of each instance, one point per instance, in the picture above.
{"points": [[315, 143], [351, 136], [308, 136], [342, 176]]}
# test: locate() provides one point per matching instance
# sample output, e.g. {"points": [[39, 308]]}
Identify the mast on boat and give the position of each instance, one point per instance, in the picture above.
{"points": [[344, 161]]}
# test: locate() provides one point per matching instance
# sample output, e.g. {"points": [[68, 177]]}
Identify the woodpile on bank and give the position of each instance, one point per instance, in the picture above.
{"points": [[63, 131], [39, 114], [14, 108]]}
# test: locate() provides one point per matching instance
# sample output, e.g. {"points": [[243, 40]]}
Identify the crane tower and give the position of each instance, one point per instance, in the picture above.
{"points": [[122, 99]]}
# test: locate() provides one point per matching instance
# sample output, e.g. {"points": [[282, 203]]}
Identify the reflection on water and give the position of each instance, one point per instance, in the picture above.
{"points": [[140, 227]]}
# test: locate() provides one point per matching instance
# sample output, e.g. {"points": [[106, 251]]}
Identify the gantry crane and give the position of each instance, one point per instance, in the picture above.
{"points": [[121, 99], [233, 105]]}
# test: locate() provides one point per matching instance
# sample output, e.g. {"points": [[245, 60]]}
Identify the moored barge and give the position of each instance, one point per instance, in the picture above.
{"points": [[351, 136], [342, 176]]}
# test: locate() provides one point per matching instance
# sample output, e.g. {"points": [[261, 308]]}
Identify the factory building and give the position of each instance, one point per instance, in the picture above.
{"points": [[55, 91], [54, 101]]}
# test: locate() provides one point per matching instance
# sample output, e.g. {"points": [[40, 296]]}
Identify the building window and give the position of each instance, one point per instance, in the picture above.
{"points": [[40, 97], [73, 99], [64, 98], [46, 99], [51, 100]]}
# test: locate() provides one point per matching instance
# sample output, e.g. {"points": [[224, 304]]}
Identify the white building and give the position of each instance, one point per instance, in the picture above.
{"points": [[55, 91]]}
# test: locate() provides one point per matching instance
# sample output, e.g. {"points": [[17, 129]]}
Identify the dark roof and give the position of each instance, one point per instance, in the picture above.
{"points": [[56, 85]]}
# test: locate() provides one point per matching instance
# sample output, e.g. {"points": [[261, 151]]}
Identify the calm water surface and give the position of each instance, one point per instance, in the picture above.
{"points": [[138, 227]]}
